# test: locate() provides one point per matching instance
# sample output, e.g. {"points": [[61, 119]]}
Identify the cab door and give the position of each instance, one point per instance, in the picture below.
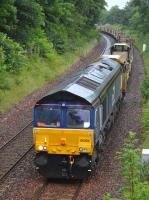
{"points": [[98, 125]]}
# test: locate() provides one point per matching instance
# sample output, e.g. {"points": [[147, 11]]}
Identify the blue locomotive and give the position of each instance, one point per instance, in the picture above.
{"points": [[70, 123]]}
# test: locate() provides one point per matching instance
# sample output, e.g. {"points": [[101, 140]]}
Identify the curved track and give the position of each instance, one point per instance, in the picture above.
{"points": [[18, 147]]}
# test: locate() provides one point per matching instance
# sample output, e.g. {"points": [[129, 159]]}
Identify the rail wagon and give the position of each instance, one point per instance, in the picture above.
{"points": [[70, 122]]}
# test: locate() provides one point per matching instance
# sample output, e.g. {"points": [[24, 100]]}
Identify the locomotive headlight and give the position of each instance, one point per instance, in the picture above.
{"points": [[40, 148]]}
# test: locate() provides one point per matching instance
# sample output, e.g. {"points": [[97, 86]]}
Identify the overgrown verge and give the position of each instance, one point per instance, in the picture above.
{"points": [[39, 40], [135, 22], [136, 185], [35, 73], [136, 178]]}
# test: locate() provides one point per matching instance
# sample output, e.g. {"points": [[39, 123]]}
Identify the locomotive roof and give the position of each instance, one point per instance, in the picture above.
{"points": [[111, 56], [120, 58], [90, 83]]}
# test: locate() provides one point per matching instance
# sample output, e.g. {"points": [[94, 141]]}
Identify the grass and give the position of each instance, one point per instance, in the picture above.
{"points": [[37, 71], [145, 110]]}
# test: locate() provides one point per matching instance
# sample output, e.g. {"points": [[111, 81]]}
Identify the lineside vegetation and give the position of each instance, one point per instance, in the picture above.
{"points": [[136, 186], [39, 39], [134, 22]]}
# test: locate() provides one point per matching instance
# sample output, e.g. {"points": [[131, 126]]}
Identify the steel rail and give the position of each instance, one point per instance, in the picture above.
{"points": [[14, 137], [13, 167]]}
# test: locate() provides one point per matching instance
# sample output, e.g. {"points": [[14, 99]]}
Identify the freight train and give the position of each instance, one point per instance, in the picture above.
{"points": [[71, 122]]}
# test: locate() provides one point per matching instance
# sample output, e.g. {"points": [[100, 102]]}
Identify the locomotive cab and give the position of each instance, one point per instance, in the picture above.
{"points": [[125, 54], [122, 49]]}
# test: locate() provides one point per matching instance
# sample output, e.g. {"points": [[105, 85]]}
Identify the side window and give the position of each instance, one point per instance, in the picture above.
{"points": [[113, 94], [97, 117], [104, 109], [101, 116]]}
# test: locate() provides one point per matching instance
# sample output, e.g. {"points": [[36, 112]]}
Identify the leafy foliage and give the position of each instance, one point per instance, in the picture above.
{"points": [[135, 14], [90, 9], [44, 27], [135, 18], [113, 16], [65, 23], [130, 166], [145, 88], [143, 11], [11, 54], [135, 187], [30, 17], [7, 15], [2, 58]]}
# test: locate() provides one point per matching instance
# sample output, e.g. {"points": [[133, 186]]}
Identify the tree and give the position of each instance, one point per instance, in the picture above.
{"points": [[90, 9], [135, 14], [143, 10], [7, 15], [30, 16], [114, 16]]}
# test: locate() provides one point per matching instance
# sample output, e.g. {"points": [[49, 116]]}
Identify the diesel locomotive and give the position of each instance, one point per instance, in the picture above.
{"points": [[70, 123]]}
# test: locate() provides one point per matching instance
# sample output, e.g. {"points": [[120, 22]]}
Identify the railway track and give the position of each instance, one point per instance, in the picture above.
{"points": [[15, 149], [15, 136], [40, 191], [66, 190], [19, 146]]}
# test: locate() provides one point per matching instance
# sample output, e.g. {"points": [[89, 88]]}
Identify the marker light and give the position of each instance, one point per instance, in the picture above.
{"points": [[80, 149], [45, 148], [83, 149], [40, 148]]}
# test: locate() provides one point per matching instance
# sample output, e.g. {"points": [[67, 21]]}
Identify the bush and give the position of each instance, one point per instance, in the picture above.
{"points": [[11, 54], [58, 35], [145, 88], [145, 123], [134, 188], [40, 45], [2, 59]]}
